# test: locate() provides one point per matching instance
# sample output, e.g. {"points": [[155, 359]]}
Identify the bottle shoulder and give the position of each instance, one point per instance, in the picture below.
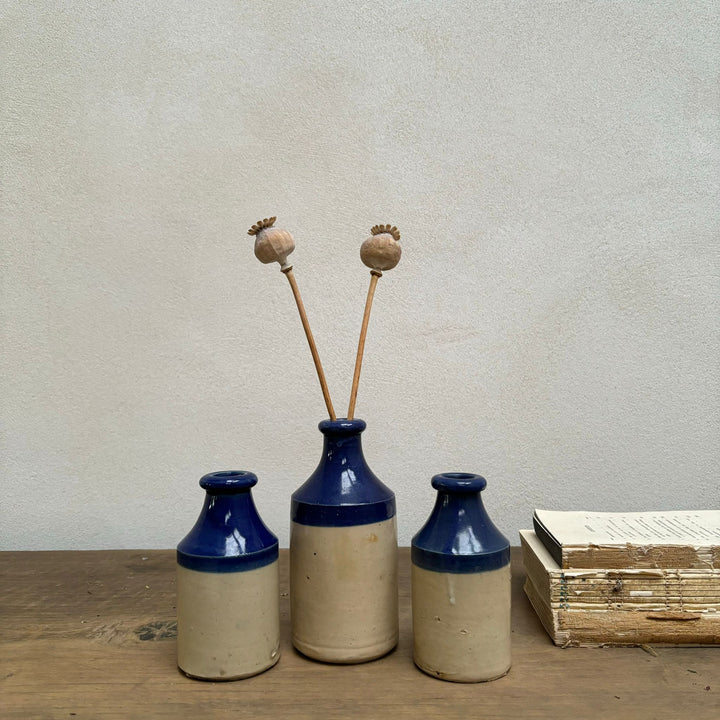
{"points": [[228, 526], [343, 490], [459, 536]]}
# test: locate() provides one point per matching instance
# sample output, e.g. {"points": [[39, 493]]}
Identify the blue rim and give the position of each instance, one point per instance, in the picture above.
{"points": [[459, 564], [228, 481], [341, 426], [459, 482], [341, 515], [229, 563]]}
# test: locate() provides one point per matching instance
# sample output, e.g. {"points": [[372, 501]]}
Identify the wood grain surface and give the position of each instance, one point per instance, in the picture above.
{"points": [[92, 635]]}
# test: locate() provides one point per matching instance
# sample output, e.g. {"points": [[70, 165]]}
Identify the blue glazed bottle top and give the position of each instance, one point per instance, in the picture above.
{"points": [[229, 535], [459, 536], [343, 491]]}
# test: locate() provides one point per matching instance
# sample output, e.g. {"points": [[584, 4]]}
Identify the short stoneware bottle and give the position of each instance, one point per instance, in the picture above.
{"points": [[343, 555], [227, 585], [461, 586]]}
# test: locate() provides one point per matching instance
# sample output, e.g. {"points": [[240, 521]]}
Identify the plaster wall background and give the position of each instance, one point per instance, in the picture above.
{"points": [[553, 167]]}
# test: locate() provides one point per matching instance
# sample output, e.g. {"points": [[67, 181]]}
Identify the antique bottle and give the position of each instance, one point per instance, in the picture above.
{"points": [[343, 555], [461, 586], [227, 585]]}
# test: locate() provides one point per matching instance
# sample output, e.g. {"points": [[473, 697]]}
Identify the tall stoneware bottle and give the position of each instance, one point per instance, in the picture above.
{"points": [[227, 585], [461, 586], [343, 555]]}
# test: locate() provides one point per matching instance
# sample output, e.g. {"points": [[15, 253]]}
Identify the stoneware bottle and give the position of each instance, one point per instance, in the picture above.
{"points": [[461, 586], [227, 585], [343, 555]]}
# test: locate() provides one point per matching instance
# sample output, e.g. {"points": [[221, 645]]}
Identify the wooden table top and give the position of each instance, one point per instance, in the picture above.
{"points": [[92, 635]]}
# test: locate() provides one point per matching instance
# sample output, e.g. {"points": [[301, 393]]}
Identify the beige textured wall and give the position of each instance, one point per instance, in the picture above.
{"points": [[553, 325]]}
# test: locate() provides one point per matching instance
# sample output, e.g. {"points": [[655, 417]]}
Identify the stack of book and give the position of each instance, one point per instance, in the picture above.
{"points": [[625, 578]]}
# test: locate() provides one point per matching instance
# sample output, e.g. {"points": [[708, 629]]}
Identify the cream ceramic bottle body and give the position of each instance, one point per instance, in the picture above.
{"points": [[461, 586], [227, 585], [343, 555]]}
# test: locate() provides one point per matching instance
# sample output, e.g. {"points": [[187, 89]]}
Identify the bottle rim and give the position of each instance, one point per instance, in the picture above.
{"points": [[342, 426], [228, 480], [459, 482]]}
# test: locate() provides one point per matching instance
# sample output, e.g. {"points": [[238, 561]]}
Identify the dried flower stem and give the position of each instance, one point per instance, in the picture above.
{"points": [[313, 348], [375, 275]]}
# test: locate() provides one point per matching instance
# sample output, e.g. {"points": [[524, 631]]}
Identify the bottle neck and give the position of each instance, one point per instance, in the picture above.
{"points": [[461, 515], [343, 451], [226, 510]]}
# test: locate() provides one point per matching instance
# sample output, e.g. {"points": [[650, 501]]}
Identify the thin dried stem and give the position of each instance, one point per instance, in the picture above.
{"points": [[375, 275], [313, 348]]}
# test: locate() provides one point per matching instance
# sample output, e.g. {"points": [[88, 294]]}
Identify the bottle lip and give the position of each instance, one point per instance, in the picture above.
{"points": [[342, 426], [228, 480], [459, 482]]}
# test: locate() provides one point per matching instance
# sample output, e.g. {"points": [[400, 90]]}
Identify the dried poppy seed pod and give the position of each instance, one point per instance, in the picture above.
{"points": [[272, 244], [381, 251]]}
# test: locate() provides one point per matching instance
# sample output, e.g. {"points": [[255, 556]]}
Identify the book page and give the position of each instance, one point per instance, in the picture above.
{"points": [[694, 527]]}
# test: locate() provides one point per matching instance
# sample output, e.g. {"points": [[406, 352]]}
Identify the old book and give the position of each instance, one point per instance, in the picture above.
{"points": [[678, 539], [666, 589], [592, 628], [627, 606]]}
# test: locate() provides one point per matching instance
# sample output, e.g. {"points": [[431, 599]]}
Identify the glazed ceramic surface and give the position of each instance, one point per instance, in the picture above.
{"points": [[343, 555], [228, 591], [461, 586]]}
